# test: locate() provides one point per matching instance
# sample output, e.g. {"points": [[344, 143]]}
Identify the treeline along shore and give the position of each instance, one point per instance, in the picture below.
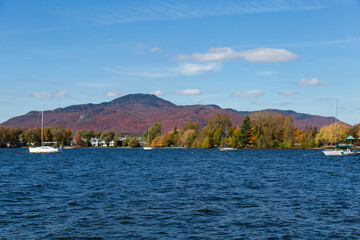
{"points": [[259, 130]]}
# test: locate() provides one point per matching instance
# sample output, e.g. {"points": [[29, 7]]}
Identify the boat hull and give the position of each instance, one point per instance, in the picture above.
{"points": [[44, 149], [148, 148], [347, 152], [228, 149]]}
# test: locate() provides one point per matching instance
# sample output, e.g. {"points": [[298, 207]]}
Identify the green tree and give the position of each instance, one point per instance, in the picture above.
{"points": [[245, 132], [218, 133], [153, 132], [206, 143], [58, 134], [107, 136], [308, 137], [289, 128], [134, 142], [219, 121], [86, 134], [32, 136]]}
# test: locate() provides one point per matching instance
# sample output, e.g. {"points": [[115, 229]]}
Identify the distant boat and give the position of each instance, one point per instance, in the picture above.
{"points": [[340, 152], [42, 148], [337, 151], [227, 148], [148, 147], [67, 147]]}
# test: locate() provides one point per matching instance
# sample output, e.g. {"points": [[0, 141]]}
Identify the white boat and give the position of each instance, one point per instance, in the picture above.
{"points": [[340, 152], [42, 148], [337, 151], [67, 147], [227, 148], [148, 147]]}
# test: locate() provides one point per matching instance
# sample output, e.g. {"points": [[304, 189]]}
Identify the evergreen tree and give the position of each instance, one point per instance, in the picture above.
{"points": [[245, 131]]}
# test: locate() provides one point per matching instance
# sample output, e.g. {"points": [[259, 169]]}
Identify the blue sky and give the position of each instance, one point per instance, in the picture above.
{"points": [[246, 55]]}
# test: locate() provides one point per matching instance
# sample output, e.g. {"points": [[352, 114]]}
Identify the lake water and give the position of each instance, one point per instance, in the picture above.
{"points": [[178, 194]]}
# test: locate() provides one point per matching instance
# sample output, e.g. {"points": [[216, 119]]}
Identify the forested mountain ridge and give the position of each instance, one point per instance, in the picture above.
{"points": [[134, 113]]}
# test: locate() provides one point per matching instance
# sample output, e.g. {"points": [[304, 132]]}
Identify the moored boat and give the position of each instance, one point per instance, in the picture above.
{"points": [[42, 148]]}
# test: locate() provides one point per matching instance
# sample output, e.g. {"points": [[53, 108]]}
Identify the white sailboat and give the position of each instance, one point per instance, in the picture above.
{"points": [[42, 148], [148, 147], [227, 148], [337, 151]]}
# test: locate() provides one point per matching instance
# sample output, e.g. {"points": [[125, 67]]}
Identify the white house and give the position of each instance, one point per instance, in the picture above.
{"points": [[97, 142]]}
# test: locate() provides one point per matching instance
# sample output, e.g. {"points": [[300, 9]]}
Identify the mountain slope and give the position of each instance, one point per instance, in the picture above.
{"points": [[134, 113]]}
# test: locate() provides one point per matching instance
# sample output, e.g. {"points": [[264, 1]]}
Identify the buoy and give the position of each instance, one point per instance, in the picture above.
{"points": [[19, 152]]}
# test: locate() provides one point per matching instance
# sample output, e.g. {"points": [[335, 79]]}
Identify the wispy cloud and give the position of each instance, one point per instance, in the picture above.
{"points": [[157, 93], [254, 93], [154, 73], [253, 55], [124, 12], [155, 49], [41, 95], [61, 94], [189, 92], [288, 93], [268, 73], [114, 94], [191, 69], [313, 81], [187, 69], [139, 48], [58, 94], [343, 41], [26, 31]]}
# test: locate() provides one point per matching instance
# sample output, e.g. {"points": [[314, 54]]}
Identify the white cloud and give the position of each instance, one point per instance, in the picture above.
{"points": [[116, 12], [254, 93], [157, 93], [182, 57], [155, 49], [61, 94], [217, 54], [114, 94], [125, 71], [253, 55], [191, 69], [268, 55], [288, 93], [41, 95], [187, 69], [189, 92], [313, 81]]}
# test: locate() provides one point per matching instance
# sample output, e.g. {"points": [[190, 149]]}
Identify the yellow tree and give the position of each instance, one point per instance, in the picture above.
{"points": [[327, 133]]}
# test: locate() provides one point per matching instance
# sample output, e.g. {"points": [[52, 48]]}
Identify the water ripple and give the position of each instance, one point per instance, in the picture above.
{"points": [[178, 194]]}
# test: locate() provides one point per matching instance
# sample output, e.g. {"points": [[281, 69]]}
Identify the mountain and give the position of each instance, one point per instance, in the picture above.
{"points": [[134, 113]]}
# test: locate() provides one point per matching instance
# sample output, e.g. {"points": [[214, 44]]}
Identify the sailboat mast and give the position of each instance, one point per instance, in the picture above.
{"points": [[42, 124], [336, 121], [226, 135]]}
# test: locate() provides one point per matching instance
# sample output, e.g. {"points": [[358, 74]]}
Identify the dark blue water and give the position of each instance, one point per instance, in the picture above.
{"points": [[178, 194]]}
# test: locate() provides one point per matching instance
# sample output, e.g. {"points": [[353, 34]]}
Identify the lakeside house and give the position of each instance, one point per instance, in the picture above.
{"points": [[97, 142]]}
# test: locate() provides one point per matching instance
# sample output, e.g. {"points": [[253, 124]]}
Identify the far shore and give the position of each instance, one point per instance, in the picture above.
{"points": [[314, 148]]}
